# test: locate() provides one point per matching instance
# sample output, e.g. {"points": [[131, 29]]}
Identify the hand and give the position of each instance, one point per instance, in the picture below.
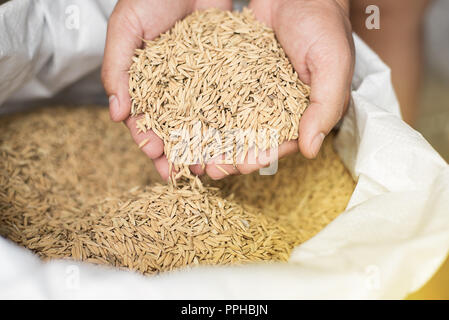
{"points": [[130, 22], [316, 36]]}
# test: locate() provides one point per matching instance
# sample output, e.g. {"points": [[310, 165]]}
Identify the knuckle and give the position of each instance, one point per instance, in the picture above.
{"points": [[105, 78], [244, 169], [338, 112], [152, 151], [213, 173]]}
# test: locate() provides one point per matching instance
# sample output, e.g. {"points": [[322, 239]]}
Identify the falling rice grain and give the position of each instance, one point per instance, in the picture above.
{"points": [[73, 186]]}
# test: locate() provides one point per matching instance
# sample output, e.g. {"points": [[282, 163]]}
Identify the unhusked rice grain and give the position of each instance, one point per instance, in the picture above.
{"points": [[74, 185], [213, 84]]}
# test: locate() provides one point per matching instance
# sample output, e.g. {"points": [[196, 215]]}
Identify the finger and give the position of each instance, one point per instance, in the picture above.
{"points": [[330, 88], [219, 4], [197, 169], [123, 36], [130, 22], [262, 9], [264, 158], [251, 162], [323, 59], [162, 166], [216, 169], [149, 142], [201, 5]]}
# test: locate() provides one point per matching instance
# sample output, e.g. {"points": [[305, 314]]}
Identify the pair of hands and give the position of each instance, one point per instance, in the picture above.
{"points": [[315, 34]]}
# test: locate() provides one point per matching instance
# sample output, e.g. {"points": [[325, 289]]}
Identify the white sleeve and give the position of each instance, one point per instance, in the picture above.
{"points": [[46, 45]]}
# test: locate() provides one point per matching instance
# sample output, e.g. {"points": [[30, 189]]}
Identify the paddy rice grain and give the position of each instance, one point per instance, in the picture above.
{"points": [[217, 79], [74, 185]]}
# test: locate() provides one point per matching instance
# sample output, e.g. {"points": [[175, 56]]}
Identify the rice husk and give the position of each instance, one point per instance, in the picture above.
{"points": [[74, 185], [217, 83]]}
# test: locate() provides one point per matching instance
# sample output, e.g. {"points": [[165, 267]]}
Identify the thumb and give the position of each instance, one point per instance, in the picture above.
{"points": [[330, 91], [123, 37]]}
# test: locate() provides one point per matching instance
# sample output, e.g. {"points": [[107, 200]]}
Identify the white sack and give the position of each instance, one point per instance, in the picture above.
{"points": [[47, 45], [389, 242]]}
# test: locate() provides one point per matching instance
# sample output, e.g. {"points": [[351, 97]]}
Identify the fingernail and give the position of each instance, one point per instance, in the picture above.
{"points": [[316, 143], [113, 106]]}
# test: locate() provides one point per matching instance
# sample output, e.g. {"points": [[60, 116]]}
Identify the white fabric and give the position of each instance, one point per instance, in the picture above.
{"points": [[47, 45], [390, 240]]}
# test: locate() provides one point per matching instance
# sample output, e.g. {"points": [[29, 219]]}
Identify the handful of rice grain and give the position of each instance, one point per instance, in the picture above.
{"points": [[214, 84], [71, 185]]}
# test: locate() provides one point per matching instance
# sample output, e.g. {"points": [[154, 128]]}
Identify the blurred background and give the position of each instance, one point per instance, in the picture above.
{"points": [[429, 49], [433, 114], [412, 38], [432, 90]]}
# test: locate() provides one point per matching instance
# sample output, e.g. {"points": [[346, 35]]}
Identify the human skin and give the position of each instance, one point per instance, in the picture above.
{"points": [[399, 43], [130, 22], [316, 36]]}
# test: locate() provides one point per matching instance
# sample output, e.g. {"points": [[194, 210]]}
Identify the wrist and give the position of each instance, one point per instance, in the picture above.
{"points": [[343, 4]]}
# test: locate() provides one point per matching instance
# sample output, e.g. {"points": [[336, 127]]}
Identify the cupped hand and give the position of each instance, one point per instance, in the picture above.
{"points": [[130, 22], [316, 36]]}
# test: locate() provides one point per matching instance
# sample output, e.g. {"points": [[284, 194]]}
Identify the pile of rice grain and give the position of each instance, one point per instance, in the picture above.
{"points": [[216, 73], [74, 185]]}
